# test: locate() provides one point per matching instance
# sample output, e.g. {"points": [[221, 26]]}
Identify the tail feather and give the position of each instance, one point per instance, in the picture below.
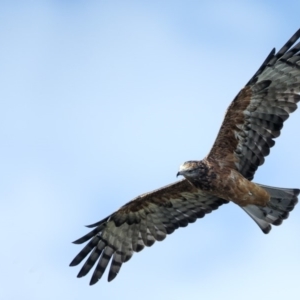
{"points": [[282, 201]]}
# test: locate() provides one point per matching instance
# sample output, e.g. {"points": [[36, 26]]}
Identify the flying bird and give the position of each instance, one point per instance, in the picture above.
{"points": [[252, 122]]}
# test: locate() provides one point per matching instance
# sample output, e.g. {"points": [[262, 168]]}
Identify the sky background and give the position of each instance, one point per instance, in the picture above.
{"points": [[102, 101]]}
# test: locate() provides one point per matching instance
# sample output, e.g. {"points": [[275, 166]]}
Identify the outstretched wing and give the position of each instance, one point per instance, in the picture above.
{"points": [[256, 115], [139, 223]]}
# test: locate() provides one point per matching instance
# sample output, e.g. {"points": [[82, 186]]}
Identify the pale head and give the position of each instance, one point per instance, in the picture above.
{"points": [[189, 169]]}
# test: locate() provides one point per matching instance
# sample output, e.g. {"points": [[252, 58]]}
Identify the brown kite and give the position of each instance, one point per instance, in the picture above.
{"points": [[252, 122]]}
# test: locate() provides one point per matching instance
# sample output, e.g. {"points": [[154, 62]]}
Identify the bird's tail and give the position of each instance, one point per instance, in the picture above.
{"points": [[282, 201]]}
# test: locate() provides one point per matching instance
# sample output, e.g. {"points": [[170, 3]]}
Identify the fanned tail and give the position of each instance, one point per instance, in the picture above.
{"points": [[282, 201]]}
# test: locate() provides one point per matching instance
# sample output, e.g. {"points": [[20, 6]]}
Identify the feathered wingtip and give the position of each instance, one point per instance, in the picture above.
{"points": [[273, 56], [99, 227]]}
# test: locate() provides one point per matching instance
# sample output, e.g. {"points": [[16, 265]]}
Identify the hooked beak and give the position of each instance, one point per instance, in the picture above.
{"points": [[179, 173]]}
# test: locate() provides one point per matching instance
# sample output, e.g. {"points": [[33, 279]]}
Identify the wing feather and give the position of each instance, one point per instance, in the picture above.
{"points": [[139, 223], [256, 116]]}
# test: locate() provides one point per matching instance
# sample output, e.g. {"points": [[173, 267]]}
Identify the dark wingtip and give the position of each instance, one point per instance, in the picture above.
{"points": [[267, 229], [296, 191], [94, 280], [88, 236], [99, 222], [84, 270], [90, 226], [76, 260], [79, 241], [111, 276], [73, 263]]}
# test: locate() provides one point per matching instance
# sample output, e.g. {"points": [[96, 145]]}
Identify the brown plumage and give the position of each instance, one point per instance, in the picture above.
{"points": [[252, 122]]}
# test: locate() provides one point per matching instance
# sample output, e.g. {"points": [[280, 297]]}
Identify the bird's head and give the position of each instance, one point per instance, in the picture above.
{"points": [[189, 169]]}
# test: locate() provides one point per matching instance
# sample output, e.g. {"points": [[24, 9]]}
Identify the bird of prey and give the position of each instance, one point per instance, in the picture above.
{"points": [[252, 122]]}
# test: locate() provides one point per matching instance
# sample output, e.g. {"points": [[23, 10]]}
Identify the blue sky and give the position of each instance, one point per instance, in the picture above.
{"points": [[102, 101]]}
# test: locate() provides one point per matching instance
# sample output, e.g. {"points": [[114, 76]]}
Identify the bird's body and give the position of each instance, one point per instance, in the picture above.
{"points": [[252, 122], [231, 185]]}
